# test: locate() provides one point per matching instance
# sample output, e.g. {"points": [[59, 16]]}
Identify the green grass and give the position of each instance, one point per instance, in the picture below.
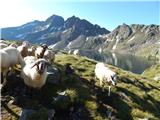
{"points": [[141, 92], [152, 72], [13, 41], [134, 97]]}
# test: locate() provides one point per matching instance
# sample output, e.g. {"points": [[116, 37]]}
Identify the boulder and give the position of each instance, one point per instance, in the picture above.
{"points": [[30, 113], [54, 75]]}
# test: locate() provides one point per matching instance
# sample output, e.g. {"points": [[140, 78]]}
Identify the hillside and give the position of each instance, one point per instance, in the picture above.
{"points": [[136, 39], [153, 72], [135, 97]]}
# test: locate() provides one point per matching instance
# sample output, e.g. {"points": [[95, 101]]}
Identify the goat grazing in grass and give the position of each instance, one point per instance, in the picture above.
{"points": [[104, 74]]}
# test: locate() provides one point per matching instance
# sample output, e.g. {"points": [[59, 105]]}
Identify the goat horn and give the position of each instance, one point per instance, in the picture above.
{"points": [[35, 63]]}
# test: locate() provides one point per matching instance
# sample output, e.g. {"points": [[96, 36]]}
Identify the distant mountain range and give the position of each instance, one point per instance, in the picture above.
{"points": [[76, 33], [142, 40], [53, 30]]}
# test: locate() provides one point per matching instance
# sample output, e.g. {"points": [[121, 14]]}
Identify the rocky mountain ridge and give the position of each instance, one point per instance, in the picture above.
{"points": [[76, 33], [136, 39], [52, 30]]}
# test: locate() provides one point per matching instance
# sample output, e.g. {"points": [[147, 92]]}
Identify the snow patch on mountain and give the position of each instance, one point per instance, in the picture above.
{"points": [[68, 46], [131, 39], [115, 45]]}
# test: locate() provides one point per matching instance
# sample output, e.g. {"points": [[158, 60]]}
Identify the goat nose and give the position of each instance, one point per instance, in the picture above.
{"points": [[40, 72], [41, 66]]}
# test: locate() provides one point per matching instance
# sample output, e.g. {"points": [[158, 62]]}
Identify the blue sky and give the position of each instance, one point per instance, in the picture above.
{"points": [[106, 13]]}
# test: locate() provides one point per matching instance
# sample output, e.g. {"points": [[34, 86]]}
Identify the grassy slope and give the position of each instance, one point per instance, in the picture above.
{"points": [[134, 96], [142, 95], [152, 72]]}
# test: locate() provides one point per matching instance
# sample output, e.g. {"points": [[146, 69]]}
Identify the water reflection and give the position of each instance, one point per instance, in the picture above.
{"points": [[125, 61]]}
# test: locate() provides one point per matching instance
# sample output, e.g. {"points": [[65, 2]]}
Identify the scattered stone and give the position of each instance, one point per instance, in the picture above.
{"points": [[26, 113], [109, 113], [10, 102], [60, 96], [69, 70], [51, 114], [124, 96], [62, 93]]}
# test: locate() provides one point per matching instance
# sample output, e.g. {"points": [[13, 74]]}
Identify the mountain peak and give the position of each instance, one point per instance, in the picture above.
{"points": [[54, 17], [74, 17], [71, 21], [55, 20]]}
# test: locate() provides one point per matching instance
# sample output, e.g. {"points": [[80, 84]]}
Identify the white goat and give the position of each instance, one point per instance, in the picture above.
{"points": [[104, 74], [39, 53], [76, 52], [34, 72], [49, 55], [23, 49], [2, 41], [31, 51], [10, 56], [3, 45], [13, 45], [70, 51]]}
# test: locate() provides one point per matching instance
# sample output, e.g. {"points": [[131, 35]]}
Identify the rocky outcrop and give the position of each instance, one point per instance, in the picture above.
{"points": [[121, 32], [37, 114], [143, 40], [54, 75]]}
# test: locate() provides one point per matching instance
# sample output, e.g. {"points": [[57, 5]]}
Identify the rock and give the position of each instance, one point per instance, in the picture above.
{"points": [[69, 70], [121, 32], [54, 75], [62, 101], [61, 95], [27, 113], [51, 114], [124, 96], [11, 85], [10, 102]]}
